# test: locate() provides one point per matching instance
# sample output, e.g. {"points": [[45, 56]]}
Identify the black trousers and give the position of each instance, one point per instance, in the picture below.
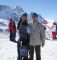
{"points": [[37, 50], [12, 36]]}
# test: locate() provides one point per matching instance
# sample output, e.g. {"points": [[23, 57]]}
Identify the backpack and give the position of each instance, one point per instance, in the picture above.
{"points": [[23, 51]]}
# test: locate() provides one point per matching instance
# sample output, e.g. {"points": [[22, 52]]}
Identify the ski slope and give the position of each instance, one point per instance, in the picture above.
{"points": [[8, 50]]}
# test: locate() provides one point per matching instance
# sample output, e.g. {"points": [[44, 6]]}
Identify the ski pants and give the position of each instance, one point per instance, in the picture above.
{"points": [[37, 50]]}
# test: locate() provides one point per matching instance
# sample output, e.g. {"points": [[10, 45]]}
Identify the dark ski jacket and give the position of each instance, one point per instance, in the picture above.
{"points": [[24, 36]]}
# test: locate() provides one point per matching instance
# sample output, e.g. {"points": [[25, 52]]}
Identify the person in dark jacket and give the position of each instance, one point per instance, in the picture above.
{"points": [[24, 35], [12, 29]]}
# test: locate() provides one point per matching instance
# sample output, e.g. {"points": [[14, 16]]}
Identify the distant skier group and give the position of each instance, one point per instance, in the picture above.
{"points": [[32, 36]]}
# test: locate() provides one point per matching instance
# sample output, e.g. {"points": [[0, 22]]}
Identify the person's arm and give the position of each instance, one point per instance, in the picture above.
{"points": [[42, 35], [18, 25]]}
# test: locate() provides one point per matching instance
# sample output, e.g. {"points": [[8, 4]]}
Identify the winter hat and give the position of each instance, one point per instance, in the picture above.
{"points": [[24, 15], [11, 19], [35, 14]]}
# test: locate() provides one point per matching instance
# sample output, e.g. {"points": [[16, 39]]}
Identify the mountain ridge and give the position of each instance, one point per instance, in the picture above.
{"points": [[7, 12]]}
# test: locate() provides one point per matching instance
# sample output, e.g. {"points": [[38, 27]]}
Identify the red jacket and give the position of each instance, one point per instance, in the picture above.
{"points": [[11, 27]]}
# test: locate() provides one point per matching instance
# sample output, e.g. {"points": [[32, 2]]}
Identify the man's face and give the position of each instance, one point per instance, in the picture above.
{"points": [[34, 18]]}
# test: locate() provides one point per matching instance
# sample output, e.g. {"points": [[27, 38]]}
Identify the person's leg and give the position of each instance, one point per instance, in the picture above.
{"points": [[10, 36], [25, 58], [56, 34], [31, 52], [38, 52], [53, 35], [14, 36], [18, 50]]}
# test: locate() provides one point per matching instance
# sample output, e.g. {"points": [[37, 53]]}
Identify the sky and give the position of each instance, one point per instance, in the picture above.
{"points": [[46, 8]]}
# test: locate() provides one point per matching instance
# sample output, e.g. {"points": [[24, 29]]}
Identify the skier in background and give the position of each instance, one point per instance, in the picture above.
{"points": [[12, 29], [54, 31]]}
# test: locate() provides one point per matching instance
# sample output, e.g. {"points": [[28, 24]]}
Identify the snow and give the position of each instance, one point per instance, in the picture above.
{"points": [[49, 52], [7, 12], [8, 50]]}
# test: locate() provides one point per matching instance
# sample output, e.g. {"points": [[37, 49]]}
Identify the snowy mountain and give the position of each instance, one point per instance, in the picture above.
{"points": [[7, 12]]}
